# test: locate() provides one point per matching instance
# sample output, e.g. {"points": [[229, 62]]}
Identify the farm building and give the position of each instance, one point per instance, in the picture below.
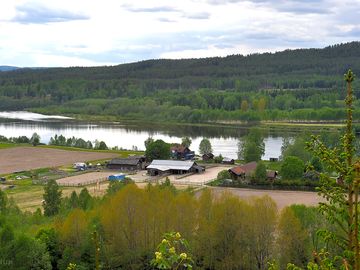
{"points": [[227, 160], [133, 163], [208, 156], [243, 172], [158, 167], [179, 151], [271, 175], [116, 177]]}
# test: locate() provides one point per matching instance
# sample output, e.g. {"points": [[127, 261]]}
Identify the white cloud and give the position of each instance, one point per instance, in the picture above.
{"points": [[69, 32]]}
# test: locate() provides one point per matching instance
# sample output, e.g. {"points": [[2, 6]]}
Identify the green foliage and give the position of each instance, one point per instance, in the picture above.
{"points": [[148, 141], [292, 240], [157, 150], [218, 159], [296, 148], [205, 146], [50, 238], [224, 174], [172, 253], [74, 200], [292, 168], [35, 139], [188, 90], [186, 141], [70, 142], [85, 199], [101, 146], [342, 197], [260, 171], [252, 147], [52, 198], [3, 202], [316, 164]]}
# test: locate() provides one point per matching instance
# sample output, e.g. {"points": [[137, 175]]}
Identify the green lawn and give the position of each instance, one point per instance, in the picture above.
{"points": [[7, 145]]}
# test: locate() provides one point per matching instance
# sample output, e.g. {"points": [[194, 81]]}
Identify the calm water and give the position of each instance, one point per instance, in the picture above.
{"points": [[223, 140]]}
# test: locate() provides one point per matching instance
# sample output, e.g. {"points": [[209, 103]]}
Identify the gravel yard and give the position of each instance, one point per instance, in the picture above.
{"points": [[198, 178]]}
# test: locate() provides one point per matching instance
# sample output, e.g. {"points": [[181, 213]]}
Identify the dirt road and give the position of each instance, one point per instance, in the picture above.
{"points": [[281, 197]]}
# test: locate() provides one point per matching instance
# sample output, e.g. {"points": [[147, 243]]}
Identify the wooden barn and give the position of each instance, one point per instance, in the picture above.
{"points": [[207, 157], [227, 160], [181, 152], [271, 175], [159, 167], [133, 163], [243, 172]]}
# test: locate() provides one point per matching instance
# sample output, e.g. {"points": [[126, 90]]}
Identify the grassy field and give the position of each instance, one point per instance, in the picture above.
{"points": [[8, 145], [29, 197]]}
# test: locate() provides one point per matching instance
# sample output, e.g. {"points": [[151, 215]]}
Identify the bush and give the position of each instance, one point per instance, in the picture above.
{"points": [[224, 174], [292, 168]]}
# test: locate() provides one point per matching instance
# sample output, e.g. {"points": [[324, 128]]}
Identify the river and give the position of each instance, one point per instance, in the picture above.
{"points": [[224, 140]]}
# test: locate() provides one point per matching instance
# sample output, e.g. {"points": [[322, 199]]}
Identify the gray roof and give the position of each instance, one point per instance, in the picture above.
{"points": [[165, 165], [124, 161]]}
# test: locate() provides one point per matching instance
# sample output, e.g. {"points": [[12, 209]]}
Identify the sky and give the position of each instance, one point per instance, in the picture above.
{"points": [[60, 33]]}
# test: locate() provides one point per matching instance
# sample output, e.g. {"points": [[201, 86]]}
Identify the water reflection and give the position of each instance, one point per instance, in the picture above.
{"points": [[224, 140]]}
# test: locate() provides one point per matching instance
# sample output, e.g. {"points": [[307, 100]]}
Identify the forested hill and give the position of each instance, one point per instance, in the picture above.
{"points": [[236, 76], [332, 60]]}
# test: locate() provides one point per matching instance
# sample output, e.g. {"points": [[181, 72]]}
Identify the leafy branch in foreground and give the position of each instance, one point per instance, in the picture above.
{"points": [[341, 194], [171, 253]]}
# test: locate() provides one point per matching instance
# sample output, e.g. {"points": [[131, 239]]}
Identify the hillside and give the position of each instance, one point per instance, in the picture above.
{"points": [[7, 68], [192, 90]]}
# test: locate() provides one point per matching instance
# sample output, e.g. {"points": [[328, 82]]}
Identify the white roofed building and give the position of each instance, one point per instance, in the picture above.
{"points": [[158, 167]]}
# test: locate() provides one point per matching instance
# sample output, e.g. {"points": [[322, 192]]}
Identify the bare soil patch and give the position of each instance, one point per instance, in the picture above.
{"points": [[84, 179], [28, 158], [281, 197]]}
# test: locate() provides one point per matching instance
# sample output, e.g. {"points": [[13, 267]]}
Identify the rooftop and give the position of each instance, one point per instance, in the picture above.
{"points": [[165, 165]]}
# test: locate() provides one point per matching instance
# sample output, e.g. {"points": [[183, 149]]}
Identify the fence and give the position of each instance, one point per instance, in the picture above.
{"points": [[82, 183]]}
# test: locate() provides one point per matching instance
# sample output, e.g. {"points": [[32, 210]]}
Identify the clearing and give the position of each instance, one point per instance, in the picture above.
{"points": [[282, 198], [29, 158]]}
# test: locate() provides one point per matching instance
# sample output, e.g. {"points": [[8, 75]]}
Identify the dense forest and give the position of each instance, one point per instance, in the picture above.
{"points": [[303, 84], [223, 233]]}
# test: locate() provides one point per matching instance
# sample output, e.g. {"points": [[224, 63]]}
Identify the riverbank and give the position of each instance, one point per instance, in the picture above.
{"points": [[280, 124]]}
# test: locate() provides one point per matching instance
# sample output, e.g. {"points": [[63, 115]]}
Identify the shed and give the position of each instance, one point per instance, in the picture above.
{"points": [[132, 163], [208, 156], [273, 159], [271, 175], [116, 177], [227, 160], [243, 172]]}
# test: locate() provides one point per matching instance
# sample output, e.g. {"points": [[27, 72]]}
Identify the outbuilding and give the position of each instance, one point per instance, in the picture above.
{"points": [[133, 163], [227, 160], [158, 167], [243, 172]]}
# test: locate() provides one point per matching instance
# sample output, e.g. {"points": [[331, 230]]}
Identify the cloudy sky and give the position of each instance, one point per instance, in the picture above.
{"points": [[91, 33]]}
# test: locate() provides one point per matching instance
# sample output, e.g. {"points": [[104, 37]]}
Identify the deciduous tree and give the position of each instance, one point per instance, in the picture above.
{"points": [[52, 198], [205, 146]]}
